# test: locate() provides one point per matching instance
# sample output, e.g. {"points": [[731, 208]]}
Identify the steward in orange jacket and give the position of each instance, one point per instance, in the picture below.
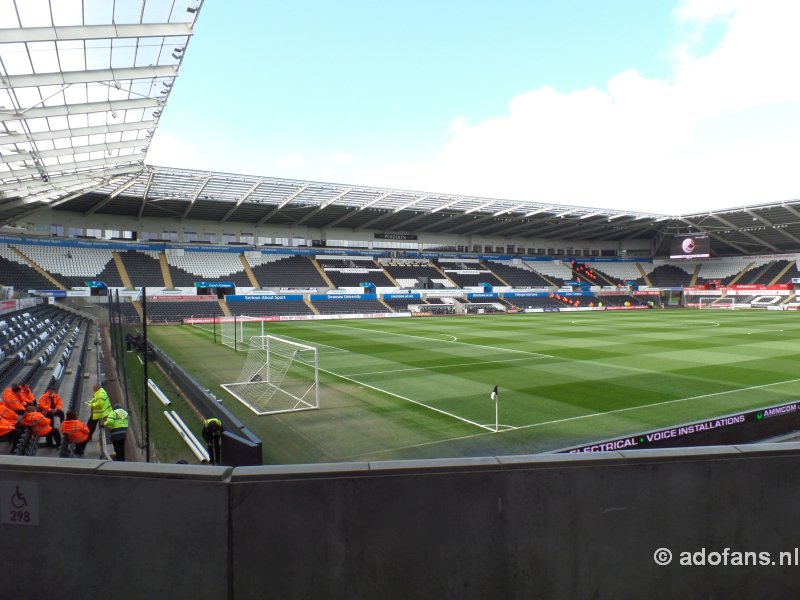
{"points": [[50, 404], [6, 414], [26, 393], [75, 431], [39, 424], [12, 397]]}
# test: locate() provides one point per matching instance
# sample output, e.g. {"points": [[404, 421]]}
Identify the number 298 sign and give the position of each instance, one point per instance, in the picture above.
{"points": [[19, 502]]}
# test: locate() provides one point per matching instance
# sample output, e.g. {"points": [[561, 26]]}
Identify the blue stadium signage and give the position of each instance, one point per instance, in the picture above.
{"points": [[214, 284], [401, 296], [343, 297], [52, 293], [96, 284], [262, 297], [481, 295]]}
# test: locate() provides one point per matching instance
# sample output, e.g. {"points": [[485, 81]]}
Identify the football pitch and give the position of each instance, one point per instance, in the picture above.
{"points": [[420, 387]]}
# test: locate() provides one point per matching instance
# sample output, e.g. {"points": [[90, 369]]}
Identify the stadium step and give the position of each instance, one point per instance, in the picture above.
{"points": [[162, 259], [250, 275], [37, 268], [741, 273], [437, 268], [644, 275], [388, 308], [224, 307], [137, 306], [783, 272], [503, 281], [309, 305], [327, 279], [695, 275], [123, 272], [388, 275]]}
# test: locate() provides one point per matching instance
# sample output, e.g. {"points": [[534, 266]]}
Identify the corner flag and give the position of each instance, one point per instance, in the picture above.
{"points": [[494, 397]]}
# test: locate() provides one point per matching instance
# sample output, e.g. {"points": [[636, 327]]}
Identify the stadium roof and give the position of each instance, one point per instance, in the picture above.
{"points": [[82, 87], [229, 198]]}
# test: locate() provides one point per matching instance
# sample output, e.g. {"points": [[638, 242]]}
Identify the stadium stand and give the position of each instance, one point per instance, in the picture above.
{"points": [[463, 279], [399, 305], [281, 270], [536, 302], [332, 307], [619, 271], [143, 267], [718, 270], [345, 262], [749, 270], [73, 267], [264, 308], [667, 276], [174, 311], [348, 279], [557, 272], [14, 272], [189, 267], [415, 276], [621, 300], [516, 275], [767, 273]]}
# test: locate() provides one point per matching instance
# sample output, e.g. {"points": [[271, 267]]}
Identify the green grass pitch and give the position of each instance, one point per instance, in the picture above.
{"points": [[420, 387]]}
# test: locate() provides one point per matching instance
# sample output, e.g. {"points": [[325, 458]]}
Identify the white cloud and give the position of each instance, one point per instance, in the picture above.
{"points": [[721, 131], [168, 151], [292, 160]]}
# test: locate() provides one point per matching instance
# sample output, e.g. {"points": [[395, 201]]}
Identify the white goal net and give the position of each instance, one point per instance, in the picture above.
{"points": [[236, 331], [728, 302], [278, 376]]}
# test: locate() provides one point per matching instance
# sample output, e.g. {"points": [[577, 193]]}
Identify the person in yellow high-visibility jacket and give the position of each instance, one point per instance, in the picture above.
{"points": [[101, 407], [117, 425]]}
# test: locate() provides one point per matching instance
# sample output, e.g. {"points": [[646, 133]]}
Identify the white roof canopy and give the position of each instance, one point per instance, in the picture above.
{"points": [[82, 87]]}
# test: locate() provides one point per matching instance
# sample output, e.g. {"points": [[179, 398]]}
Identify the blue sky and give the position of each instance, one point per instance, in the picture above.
{"points": [[615, 104]]}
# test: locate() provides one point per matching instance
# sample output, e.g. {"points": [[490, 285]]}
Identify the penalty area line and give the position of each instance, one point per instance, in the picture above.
{"points": [[418, 403]]}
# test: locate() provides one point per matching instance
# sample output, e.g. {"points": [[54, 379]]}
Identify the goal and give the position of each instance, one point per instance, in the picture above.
{"points": [[278, 376], [235, 331], [718, 302]]}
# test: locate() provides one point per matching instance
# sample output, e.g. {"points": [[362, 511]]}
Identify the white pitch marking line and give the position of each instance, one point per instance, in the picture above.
{"points": [[310, 343], [377, 389], [419, 337], [469, 364], [619, 410]]}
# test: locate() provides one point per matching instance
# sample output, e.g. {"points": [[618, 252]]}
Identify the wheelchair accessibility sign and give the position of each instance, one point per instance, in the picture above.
{"points": [[19, 503]]}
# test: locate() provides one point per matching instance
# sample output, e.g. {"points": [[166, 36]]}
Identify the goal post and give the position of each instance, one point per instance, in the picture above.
{"points": [[727, 302], [278, 376], [235, 331]]}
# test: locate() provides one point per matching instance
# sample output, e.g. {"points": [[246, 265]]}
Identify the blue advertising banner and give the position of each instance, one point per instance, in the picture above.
{"points": [[314, 297], [401, 296], [214, 284], [482, 295], [262, 297]]}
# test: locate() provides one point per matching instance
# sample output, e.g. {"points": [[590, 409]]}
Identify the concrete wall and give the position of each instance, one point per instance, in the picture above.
{"points": [[560, 526]]}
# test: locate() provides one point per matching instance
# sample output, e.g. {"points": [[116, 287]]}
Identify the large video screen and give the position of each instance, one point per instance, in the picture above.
{"points": [[690, 246]]}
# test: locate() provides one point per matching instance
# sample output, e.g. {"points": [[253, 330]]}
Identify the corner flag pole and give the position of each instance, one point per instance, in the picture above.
{"points": [[496, 397]]}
